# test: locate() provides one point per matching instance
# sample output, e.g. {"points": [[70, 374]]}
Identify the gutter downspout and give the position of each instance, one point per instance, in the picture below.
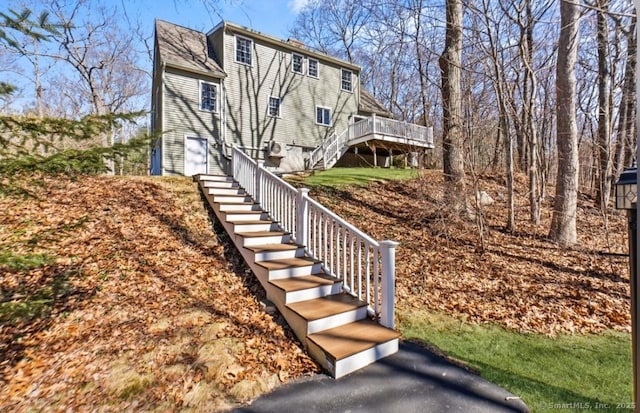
{"points": [[162, 115]]}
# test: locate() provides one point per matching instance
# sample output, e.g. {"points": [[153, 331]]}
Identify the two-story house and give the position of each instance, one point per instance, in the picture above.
{"points": [[275, 99]]}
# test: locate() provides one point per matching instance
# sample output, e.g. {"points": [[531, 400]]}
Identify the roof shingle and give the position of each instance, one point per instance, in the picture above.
{"points": [[185, 48], [369, 104]]}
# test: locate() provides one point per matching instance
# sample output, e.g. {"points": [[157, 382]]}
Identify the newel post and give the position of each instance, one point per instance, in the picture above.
{"points": [[302, 217], [232, 162], [373, 121], [388, 252], [258, 190]]}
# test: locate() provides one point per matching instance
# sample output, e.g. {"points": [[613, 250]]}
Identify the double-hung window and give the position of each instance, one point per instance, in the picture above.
{"points": [[208, 96], [346, 83], [274, 106], [243, 50], [323, 116], [297, 63], [312, 68]]}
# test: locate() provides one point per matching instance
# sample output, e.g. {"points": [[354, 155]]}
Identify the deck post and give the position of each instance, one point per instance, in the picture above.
{"points": [[387, 312], [302, 217], [258, 190], [373, 121], [375, 156]]}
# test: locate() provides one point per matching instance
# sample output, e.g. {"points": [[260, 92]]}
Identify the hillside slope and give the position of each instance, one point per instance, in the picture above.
{"points": [[117, 293], [521, 280]]}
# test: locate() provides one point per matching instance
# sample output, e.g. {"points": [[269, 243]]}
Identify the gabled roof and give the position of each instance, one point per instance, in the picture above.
{"points": [[186, 49], [370, 104], [291, 44]]}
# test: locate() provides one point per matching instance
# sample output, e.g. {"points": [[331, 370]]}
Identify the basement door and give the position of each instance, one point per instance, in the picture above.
{"points": [[195, 156]]}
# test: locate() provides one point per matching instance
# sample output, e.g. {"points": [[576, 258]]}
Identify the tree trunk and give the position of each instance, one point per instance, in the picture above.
{"points": [[508, 152], [452, 150], [604, 178], [529, 129], [563, 223], [424, 99], [627, 104]]}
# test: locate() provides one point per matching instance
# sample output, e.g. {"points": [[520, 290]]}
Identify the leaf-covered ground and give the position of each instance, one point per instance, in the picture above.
{"points": [[117, 294], [521, 280]]}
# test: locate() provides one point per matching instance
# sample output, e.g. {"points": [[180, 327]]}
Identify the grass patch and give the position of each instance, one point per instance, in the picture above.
{"points": [[125, 382], [339, 177], [24, 262], [23, 306], [567, 373]]}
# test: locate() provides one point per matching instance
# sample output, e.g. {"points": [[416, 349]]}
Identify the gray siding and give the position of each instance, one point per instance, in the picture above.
{"points": [[248, 89], [216, 41], [156, 108], [243, 97], [182, 117]]}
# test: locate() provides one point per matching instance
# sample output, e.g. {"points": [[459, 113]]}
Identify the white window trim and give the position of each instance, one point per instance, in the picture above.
{"points": [[235, 50], [330, 117], [279, 115], [301, 56], [341, 88], [317, 68], [215, 109]]}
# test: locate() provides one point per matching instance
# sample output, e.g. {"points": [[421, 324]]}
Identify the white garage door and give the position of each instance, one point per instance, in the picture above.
{"points": [[195, 156]]}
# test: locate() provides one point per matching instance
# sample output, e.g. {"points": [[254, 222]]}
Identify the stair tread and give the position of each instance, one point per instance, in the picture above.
{"points": [[273, 247], [239, 196], [225, 192], [236, 201], [304, 282], [349, 339], [326, 306], [244, 211], [221, 185], [287, 263], [260, 233], [252, 221], [207, 177]]}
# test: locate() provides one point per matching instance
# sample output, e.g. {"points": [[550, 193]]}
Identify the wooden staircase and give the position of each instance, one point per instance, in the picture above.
{"points": [[333, 326]]}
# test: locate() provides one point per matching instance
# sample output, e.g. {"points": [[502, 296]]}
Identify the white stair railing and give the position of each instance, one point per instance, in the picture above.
{"points": [[365, 266], [273, 194]]}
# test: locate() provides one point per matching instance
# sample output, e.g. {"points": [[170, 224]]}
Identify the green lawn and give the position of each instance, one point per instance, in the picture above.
{"points": [[338, 177], [563, 374]]}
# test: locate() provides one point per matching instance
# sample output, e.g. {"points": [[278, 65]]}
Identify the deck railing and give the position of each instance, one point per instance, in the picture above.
{"points": [[365, 266], [333, 147]]}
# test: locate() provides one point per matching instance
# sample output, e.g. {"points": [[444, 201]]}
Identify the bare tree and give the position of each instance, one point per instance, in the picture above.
{"points": [[496, 58], [563, 224], [626, 123], [604, 177], [101, 55], [450, 67], [332, 25]]}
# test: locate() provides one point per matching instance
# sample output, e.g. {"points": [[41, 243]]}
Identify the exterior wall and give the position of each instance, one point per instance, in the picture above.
{"points": [[248, 89], [182, 117], [156, 113], [216, 42]]}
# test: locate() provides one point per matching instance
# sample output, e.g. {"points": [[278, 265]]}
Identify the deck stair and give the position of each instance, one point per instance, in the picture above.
{"points": [[334, 326], [371, 132]]}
